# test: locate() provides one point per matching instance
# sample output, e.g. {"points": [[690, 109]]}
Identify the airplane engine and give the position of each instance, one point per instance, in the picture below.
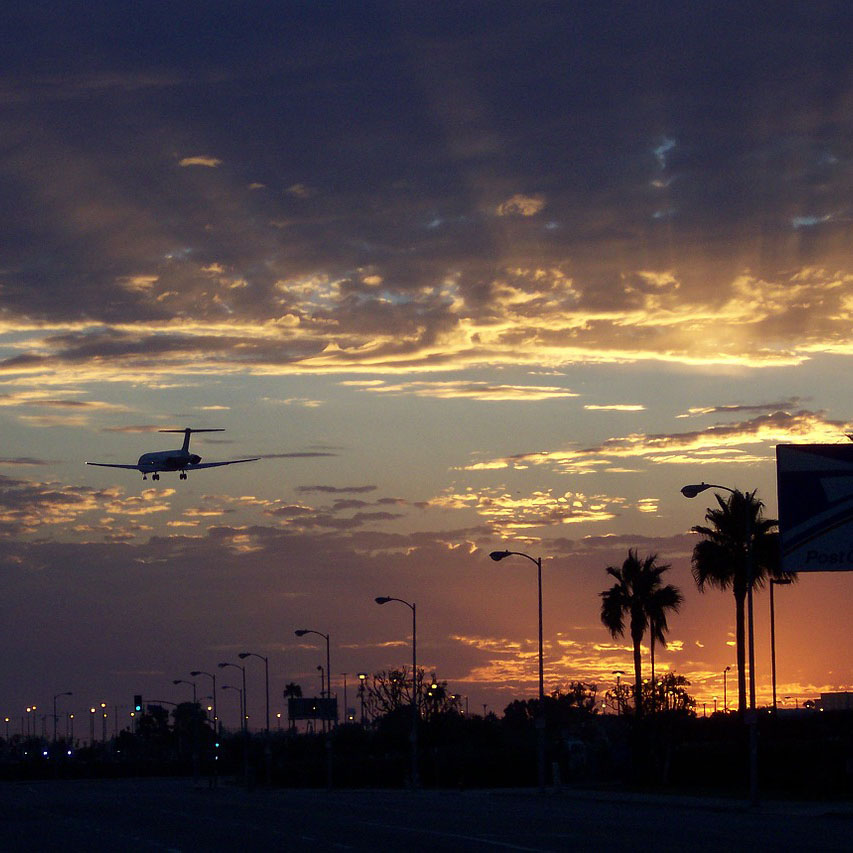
{"points": [[194, 459]]}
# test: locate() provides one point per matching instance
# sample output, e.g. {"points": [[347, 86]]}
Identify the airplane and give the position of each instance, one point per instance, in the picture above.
{"points": [[173, 460]]}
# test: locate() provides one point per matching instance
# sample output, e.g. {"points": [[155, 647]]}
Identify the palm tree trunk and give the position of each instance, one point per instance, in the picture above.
{"points": [[654, 688], [740, 644], [638, 680]]}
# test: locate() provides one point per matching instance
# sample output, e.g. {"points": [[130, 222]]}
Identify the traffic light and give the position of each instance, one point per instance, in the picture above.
{"points": [[137, 702]]}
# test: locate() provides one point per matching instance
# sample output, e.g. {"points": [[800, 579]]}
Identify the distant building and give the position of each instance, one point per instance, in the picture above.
{"points": [[836, 702]]}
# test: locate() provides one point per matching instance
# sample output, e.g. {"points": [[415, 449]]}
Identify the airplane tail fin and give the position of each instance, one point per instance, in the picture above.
{"points": [[188, 431]]}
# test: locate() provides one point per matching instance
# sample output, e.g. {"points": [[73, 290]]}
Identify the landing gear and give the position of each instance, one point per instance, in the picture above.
{"points": [[144, 476], [155, 476], [183, 475]]}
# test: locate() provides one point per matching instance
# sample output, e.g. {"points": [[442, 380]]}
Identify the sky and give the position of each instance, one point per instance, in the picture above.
{"points": [[466, 276]]}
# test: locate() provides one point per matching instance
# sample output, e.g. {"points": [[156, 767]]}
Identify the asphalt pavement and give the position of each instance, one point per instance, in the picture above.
{"points": [[177, 816]]}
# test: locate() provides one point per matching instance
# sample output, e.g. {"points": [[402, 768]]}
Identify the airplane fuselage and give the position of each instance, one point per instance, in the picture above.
{"points": [[167, 460]]}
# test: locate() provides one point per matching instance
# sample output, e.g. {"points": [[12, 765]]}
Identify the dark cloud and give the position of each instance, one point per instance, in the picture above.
{"points": [[741, 408], [298, 454], [133, 428], [337, 490], [676, 141]]}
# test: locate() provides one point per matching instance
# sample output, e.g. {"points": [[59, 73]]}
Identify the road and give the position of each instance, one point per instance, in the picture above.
{"points": [[172, 815]]}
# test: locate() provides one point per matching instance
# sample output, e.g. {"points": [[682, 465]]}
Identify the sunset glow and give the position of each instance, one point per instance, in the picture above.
{"points": [[464, 277]]}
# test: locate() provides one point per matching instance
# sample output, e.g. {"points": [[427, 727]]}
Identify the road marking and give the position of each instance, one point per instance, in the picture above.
{"points": [[479, 839]]}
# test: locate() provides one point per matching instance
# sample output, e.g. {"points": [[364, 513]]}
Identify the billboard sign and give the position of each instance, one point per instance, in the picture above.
{"points": [[299, 708], [815, 489]]}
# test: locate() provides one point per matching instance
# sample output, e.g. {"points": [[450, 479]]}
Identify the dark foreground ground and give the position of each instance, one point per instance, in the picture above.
{"points": [[174, 815]]}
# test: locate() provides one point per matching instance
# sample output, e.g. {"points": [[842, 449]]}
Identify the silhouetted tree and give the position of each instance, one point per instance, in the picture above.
{"points": [[618, 698], [637, 595], [190, 726], [389, 691], [662, 600], [669, 693], [578, 700], [153, 724], [737, 532]]}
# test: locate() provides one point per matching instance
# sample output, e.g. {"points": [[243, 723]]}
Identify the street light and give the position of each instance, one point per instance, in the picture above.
{"points": [[301, 632], [384, 599], [691, 491], [66, 693], [243, 656], [540, 716], [191, 684], [725, 691], [242, 669], [31, 730], [774, 582]]}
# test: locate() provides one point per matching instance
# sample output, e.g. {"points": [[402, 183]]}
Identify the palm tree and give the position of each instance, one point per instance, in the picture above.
{"points": [[292, 691], [639, 596], [664, 598], [737, 535]]}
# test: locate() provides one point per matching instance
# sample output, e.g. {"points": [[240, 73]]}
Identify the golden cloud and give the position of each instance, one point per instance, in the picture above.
{"points": [[200, 160], [483, 391], [508, 514], [521, 205], [538, 317], [701, 445]]}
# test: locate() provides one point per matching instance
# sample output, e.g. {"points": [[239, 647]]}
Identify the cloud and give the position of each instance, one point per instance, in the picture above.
{"points": [[707, 446], [29, 506], [134, 428], [508, 514], [337, 490], [200, 160], [300, 191], [615, 407], [740, 408], [303, 454], [470, 390], [521, 205]]}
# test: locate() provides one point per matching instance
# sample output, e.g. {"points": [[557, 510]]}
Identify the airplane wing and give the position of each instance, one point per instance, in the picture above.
{"points": [[110, 465], [217, 464]]}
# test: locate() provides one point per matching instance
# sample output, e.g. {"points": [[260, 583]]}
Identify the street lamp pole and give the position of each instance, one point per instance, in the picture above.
{"points": [[384, 599], [242, 707], [245, 726], [191, 684], [774, 582], [540, 716], [243, 656], [691, 491], [212, 676], [362, 677], [66, 693], [618, 673], [725, 691], [301, 632]]}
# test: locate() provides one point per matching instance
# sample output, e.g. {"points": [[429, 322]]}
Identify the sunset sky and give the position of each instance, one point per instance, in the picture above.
{"points": [[466, 275]]}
